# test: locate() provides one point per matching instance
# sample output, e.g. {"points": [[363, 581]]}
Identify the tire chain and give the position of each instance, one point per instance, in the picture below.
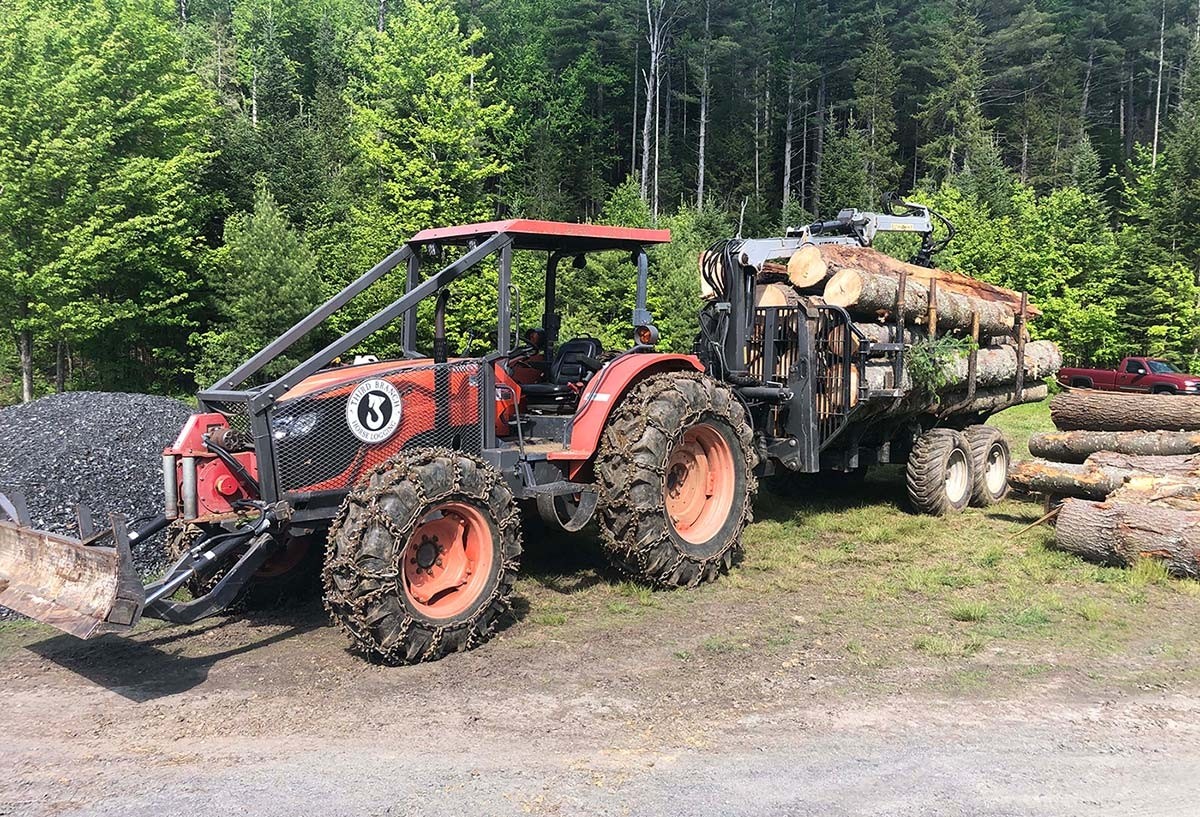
{"points": [[619, 467], [352, 591]]}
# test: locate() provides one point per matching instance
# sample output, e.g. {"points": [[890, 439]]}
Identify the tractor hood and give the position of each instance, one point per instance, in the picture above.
{"points": [[345, 375]]}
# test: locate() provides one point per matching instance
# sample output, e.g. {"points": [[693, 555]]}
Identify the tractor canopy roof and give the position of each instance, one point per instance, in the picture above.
{"points": [[561, 236]]}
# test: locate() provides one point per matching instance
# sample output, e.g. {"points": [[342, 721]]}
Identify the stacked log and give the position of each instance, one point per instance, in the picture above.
{"points": [[1077, 446], [867, 283], [870, 296], [1088, 410], [1127, 468]]}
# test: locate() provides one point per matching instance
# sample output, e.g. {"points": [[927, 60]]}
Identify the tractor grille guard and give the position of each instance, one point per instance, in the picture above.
{"points": [[305, 449], [441, 407]]}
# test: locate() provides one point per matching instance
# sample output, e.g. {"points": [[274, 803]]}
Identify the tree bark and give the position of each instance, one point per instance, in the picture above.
{"points": [[813, 265], [1087, 481], [25, 353], [1104, 473], [994, 367], [1121, 533], [775, 295], [1077, 446], [1162, 40], [1088, 410], [872, 295], [818, 147], [704, 87], [787, 144], [984, 401]]}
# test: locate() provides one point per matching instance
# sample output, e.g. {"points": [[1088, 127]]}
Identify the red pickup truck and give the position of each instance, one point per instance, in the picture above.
{"points": [[1141, 374]]}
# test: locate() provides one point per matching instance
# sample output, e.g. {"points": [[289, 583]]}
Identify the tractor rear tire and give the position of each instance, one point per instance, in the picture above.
{"points": [[939, 475], [422, 557], [990, 459], [676, 473]]}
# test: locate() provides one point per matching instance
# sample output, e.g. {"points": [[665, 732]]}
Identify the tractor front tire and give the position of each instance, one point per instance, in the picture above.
{"points": [[990, 459], [422, 557], [676, 473], [939, 473]]}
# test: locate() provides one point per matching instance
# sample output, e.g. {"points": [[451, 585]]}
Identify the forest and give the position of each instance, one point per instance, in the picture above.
{"points": [[181, 181]]}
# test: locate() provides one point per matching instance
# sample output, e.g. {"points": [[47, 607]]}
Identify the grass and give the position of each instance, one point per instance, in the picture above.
{"points": [[875, 589]]}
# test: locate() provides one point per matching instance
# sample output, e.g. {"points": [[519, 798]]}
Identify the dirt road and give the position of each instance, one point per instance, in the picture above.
{"points": [[273, 717]]}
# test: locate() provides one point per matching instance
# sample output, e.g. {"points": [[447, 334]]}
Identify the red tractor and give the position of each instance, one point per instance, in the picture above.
{"points": [[407, 473]]}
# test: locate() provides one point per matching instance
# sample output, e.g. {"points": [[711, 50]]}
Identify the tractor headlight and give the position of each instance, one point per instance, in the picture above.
{"points": [[646, 335], [294, 425]]}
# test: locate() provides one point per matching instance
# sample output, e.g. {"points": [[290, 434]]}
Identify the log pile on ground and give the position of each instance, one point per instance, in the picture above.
{"points": [[1124, 471], [894, 302]]}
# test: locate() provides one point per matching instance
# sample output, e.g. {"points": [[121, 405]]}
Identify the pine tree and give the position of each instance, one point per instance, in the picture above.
{"points": [[845, 181], [262, 258], [951, 116], [874, 95]]}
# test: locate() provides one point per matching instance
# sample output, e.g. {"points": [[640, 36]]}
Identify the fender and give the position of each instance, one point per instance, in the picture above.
{"points": [[604, 391]]}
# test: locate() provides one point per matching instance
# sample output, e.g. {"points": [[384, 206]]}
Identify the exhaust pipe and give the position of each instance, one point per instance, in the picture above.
{"points": [[170, 487], [190, 498]]}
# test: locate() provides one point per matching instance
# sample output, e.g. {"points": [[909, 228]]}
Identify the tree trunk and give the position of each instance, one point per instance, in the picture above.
{"points": [[787, 146], [1066, 479], [1162, 39], [25, 353], [775, 295], [954, 402], [995, 366], [1089, 410], [703, 107], [1121, 533], [870, 296], [1106, 472], [818, 148], [60, 366], [1077, 446], [814, 264]]}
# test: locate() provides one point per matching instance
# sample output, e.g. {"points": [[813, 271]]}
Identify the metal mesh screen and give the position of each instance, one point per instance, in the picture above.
{"points": [[836, 386], [237, 413], [315, 449], [774, 343]]}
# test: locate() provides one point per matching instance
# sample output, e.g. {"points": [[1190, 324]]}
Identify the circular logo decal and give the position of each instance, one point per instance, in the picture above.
{"points": [[373, 411]]}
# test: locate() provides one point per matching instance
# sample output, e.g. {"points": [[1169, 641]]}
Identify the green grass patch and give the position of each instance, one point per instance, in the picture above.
{"points": [[969, 611]]}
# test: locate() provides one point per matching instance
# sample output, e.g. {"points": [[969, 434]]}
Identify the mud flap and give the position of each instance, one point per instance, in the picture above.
{"points": [[80, 586]]}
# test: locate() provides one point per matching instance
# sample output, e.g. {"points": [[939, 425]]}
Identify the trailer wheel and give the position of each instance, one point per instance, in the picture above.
{"points": [[676, 472], [989, 460], [422, 557], [939, 473]]}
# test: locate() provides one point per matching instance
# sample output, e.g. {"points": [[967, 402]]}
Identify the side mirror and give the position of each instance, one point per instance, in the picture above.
{"points": [[1140, 370]]}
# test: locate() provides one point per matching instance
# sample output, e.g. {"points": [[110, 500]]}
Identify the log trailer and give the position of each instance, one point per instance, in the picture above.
{"points": [[405, 476]]}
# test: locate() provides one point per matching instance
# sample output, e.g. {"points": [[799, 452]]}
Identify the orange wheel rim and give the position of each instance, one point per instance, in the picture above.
{"points": [[448, 560], [699, 486]]}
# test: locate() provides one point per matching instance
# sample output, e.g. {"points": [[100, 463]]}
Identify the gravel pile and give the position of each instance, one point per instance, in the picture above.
{"points": [[101, 449]]}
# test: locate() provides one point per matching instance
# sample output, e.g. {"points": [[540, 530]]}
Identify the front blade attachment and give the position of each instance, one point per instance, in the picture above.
{"points": [[84, 587]]}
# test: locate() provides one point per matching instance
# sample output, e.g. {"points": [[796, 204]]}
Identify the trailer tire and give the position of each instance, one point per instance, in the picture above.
{"points": [[939, 472], [990, 459], [676, 472], [401, 594]]}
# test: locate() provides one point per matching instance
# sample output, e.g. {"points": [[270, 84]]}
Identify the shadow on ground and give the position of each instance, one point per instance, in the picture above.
{"points": [[144, 667]]}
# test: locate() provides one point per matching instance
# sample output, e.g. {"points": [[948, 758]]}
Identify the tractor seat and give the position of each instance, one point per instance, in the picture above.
{"points": [[573, 362]]}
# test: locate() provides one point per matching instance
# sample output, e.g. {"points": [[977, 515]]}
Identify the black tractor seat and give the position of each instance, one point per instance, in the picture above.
{"points": [[574, 362]]}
